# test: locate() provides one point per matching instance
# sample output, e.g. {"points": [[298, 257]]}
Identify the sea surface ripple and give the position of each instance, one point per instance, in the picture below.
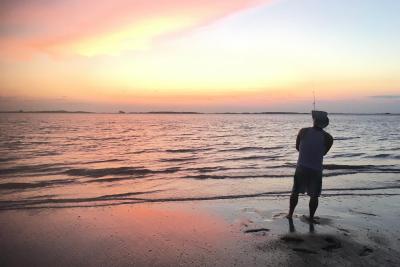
{"points": [[81, 160]]}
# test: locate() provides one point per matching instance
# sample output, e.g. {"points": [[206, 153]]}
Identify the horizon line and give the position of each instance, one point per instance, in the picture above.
{"points": [[191, 112]]}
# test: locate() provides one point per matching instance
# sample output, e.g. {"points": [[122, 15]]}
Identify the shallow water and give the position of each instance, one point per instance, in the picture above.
{"points": [[58, 160]]}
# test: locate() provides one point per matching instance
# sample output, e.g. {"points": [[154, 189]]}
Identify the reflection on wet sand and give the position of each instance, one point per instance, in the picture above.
{"points": [[142, 235], [242, 232]]}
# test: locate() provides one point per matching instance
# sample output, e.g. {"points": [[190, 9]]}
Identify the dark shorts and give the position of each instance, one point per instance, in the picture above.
{"points": [[308, 181]]}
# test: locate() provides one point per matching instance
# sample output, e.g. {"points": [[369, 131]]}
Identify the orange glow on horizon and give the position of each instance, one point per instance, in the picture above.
{"points": [[181, 53]]}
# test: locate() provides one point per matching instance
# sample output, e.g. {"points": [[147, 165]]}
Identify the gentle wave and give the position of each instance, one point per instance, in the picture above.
{"points": [[178, 159], [358, 167], [250, 148], [39, 168], [101, 172], [345, 169], [346, 138], [130, 198], [8, 159], [49, 168], [99, 161], [144, 151], [4, 205], [361, 167], [40, 184], [187, 150], [383, 156], [211, 176], [209, 169], [60, 169], [347, 155], [252, 158]]}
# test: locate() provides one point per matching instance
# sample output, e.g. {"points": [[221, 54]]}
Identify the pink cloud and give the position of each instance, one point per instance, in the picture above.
{"points": [[30, 26]]}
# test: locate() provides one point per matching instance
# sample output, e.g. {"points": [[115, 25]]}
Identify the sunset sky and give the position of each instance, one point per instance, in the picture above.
{"points": [[200, 55]]}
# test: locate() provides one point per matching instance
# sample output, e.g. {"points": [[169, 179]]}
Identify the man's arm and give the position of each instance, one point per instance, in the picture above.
{"points": [[298, 139], [328, 142]]}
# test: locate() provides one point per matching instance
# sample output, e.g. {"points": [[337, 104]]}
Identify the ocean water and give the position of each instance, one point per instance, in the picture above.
{"points": [[75, 160]]}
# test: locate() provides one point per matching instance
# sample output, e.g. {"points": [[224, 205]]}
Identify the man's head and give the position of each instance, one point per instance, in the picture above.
{"points": [[320, 118]]}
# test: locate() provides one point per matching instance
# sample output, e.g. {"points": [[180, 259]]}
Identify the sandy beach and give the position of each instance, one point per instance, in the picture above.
{"points": [[352, 231]]}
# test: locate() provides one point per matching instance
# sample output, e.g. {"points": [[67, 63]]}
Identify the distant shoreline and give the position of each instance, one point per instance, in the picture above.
{"points": [[192, 113]]}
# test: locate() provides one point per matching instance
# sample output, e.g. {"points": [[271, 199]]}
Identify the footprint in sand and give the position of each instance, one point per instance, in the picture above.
{"points": [[305, 250], [344, 230], [365, 251], [333, 243], [244, 222], [292, 239], [279, 215]]}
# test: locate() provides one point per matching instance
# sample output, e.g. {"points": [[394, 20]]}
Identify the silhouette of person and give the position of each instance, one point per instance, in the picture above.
{"points": [[312, 143]]}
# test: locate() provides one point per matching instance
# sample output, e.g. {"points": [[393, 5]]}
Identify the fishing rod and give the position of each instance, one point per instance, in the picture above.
{"points": [[314, 99]]}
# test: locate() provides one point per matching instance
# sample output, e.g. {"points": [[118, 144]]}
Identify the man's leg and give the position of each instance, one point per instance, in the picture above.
{"points": [[313, 205], [294, 198]]}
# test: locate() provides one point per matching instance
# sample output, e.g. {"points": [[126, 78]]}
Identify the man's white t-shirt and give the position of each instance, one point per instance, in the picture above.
{"points": [[313, 145]]}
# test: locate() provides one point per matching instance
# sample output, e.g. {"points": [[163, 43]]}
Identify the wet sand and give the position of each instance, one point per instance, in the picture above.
{"points": [[352, 231]]}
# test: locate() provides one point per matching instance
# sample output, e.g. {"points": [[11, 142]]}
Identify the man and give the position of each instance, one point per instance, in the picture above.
{"points": [[312, 143]]}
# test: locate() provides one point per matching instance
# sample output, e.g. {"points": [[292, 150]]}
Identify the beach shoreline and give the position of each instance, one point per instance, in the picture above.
{"points": [[353, 231]]}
